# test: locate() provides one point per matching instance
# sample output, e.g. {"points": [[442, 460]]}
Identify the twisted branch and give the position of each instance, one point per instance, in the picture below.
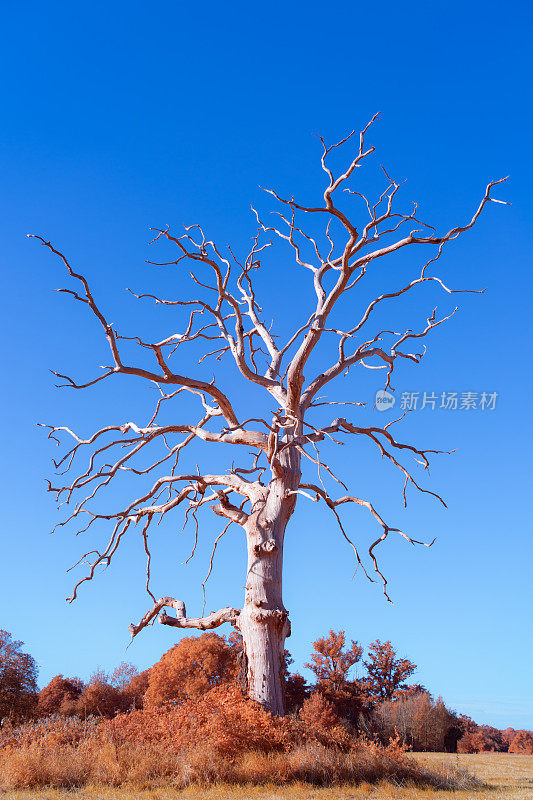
{"points": [[213, 620]]}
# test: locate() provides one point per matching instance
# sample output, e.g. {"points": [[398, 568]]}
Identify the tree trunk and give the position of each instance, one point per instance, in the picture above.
{"points": [[264, 622]]}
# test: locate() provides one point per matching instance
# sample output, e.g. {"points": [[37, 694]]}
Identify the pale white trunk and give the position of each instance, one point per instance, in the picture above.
{"points": [[264, 621]]}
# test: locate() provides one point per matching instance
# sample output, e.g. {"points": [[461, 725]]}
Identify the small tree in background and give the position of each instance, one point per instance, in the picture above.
{"points": [[123, 675], [60, 696], [135, 690], [386, 673], [422, 723], [100, 698], [333, 659], [522, 742], [18, 679], [331, 662]]}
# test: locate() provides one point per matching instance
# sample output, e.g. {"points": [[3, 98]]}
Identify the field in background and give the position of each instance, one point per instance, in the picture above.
{"points": [[508, 777], [503, 769]]}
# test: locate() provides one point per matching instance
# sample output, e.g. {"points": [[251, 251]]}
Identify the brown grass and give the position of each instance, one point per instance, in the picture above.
{"points": [[510, 777], [200, 750], [37, 766]]}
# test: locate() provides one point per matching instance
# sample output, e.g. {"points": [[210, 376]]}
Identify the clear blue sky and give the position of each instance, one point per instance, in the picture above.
{"points": [[118, 116]]}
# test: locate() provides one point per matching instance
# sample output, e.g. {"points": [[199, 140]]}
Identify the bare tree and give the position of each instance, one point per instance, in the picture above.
{"points": [[228, 319]]}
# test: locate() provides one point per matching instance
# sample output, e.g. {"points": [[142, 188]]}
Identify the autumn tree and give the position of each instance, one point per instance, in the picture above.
{"points": [[18, 679], [386, 672], [135, 690], [332, 662], [190, 668], [507, 736], [482, 739], [522, 742], [60, 696], [346, 238], [333, 659], [130, 683], [100, 697]]}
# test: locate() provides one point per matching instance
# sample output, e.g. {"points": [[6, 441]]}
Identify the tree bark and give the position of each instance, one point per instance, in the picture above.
{"points": [[264, 620]]}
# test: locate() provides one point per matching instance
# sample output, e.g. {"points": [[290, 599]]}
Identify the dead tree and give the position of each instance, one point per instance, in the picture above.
{"points": [[228, 319]]}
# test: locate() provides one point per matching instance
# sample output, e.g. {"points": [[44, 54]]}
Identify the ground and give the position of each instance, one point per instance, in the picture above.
{"points": [[507, 777]]}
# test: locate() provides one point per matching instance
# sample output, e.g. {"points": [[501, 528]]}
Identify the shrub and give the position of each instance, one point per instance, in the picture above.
{"points": [[223, 719], [296, 691], [104, 763], [318, 713], [190, 669]]}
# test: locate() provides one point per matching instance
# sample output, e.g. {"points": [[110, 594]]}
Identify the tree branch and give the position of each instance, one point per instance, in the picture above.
{"points": [[228, 319], [332, 504], [212, 620], [167, 377]]}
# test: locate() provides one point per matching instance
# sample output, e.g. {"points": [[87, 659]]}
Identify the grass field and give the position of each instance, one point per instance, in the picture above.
{"points": [[506, 777]]}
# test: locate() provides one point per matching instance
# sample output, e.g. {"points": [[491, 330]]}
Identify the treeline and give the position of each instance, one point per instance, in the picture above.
{"points": [[378, 702]]}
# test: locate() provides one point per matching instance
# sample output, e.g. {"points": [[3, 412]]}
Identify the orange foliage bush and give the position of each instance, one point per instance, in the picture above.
{"points": [[318, 721], [223, 720], [190, 669], [318, 713], [51, 731]]}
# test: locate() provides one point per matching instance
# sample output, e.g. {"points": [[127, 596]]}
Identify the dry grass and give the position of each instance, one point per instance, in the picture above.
{"points": [[96, 768], [509, 777], [38, 766], [235, 744]]}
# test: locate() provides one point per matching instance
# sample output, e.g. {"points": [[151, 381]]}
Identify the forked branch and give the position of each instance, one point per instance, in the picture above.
{"points": [[332, 504]]}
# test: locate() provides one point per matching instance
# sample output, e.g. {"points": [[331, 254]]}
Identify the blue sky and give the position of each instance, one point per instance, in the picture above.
{"points": [[117, 117]]}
